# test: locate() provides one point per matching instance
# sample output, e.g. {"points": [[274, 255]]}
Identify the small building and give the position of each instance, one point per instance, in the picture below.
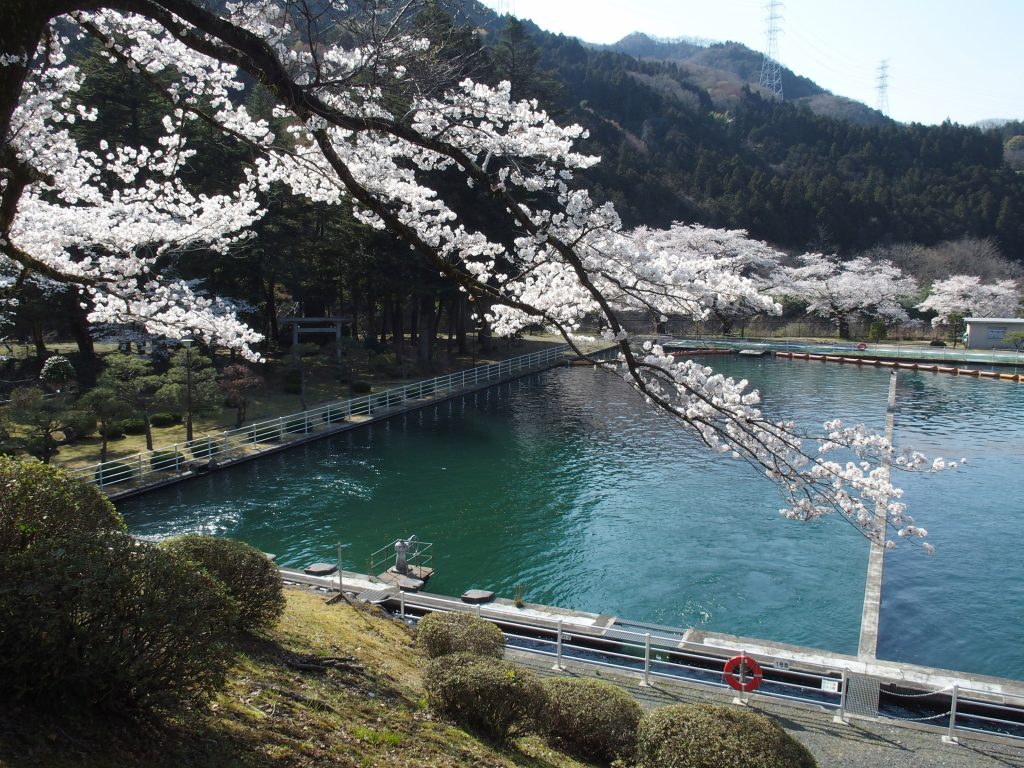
{"points": [[989, 332]]}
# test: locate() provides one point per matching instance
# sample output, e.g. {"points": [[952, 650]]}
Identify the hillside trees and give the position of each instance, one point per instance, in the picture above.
{"points": [[522, 235]]}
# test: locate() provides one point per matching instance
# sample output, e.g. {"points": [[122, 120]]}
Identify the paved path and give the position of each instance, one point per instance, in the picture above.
{"points": [[861, 744]]}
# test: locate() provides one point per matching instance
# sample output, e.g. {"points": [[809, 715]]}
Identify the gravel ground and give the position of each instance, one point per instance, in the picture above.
{"points": [[860, 744]]}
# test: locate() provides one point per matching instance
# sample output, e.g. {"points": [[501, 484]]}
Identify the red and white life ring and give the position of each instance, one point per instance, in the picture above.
{"points": [[751, 673]]}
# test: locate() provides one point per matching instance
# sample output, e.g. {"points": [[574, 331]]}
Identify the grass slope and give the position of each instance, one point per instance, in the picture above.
{"points": [[332, 685]]}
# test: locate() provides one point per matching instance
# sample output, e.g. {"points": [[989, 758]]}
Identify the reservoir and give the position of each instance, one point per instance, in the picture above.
{"points": [[567, 485]]}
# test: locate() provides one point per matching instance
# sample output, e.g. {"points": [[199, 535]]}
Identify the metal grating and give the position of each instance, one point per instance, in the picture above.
{"points": [[862, 696]]}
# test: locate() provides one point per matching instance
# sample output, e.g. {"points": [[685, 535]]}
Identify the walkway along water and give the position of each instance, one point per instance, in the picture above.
{"points": [[170, 464], [662, 665]]}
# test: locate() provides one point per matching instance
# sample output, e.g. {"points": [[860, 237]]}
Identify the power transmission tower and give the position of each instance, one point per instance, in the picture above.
{"points": [[883, 87], [505, 8], [771, 72]]}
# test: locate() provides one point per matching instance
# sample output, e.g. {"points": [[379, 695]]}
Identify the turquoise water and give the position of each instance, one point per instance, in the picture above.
{"points": [[566, 483]]}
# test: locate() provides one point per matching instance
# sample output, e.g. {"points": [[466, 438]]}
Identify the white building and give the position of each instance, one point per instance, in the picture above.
{"points": [[988, 332]]}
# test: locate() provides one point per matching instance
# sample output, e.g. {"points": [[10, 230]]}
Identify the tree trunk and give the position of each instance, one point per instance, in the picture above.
{"points": [[37, 339], [425, 347]]}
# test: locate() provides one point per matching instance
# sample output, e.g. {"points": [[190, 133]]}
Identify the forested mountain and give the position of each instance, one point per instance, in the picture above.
{"points": [[674, 150]]}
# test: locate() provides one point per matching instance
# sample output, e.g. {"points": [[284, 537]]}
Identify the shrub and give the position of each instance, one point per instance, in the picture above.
{"points": [[78, 424], [164, 419], [110, 472], [293, 382], [113, 432], [40, 500], [246, 573], [936, 343], [492, 697], [160, 461], [265, 433], [134, 426], [299, 424], [104, 621], [360, 387], [334, 415], [204, 448], [441, 633], [592, 719], [701, 735]]}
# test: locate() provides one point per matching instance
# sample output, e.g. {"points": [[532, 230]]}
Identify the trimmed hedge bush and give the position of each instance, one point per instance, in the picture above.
{"points": [[707, 736], [105, 622], [161, 461], [39, 500], [113, 432], [360, 387], [252, 581], [441, 633], [111, 472], [134, 426], [164, 419], [204, 448], [591, 719], [492, 697], [300, 424], [78, 424], [266, 433]]}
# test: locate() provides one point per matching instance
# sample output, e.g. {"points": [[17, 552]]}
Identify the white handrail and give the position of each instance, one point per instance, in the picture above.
{"points": [[207, 449]]}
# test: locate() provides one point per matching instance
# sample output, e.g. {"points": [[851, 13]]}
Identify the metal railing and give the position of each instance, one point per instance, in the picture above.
{"points": [[650, 654], [419, 554], [853, 349], [662, 653], [209, 450]]}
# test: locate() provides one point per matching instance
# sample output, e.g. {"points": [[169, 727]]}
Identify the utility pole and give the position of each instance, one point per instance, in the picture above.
{"points": [[883, 87], [771, 72]]}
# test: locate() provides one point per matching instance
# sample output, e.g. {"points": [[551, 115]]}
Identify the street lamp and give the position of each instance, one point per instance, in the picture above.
{"points": [[188, 389]]}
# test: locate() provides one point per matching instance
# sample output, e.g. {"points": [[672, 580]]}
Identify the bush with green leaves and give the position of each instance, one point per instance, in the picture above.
{"points": [[705, 735], [134, 426], [492, 697], [102, 621], [441, 633], [164, 419], [250, 578], [166, 461], [111, 472], [591, 719], [360, 387], [298, 424], [78, 424], [204, 447], [37, 500]]}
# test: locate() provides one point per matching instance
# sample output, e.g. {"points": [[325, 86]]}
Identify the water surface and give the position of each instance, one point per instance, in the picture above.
{"points": [[568, 484]]}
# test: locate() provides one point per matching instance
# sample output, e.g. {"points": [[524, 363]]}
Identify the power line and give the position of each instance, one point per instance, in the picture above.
{"points": [[771, 72]]}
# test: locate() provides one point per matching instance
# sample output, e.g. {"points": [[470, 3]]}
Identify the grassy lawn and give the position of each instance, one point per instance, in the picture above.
{"points": [[331, 685]]}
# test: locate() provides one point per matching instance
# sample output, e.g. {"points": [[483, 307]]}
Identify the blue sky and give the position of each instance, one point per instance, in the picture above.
{"points": [[956, 59]]}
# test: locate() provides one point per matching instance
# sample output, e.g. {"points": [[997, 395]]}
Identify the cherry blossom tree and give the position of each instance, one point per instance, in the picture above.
{"points": [[967, 296], [844, 291], [376, 127]]}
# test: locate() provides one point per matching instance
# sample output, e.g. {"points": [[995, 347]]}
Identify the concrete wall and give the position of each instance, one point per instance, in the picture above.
{"points": [[989, 332]]}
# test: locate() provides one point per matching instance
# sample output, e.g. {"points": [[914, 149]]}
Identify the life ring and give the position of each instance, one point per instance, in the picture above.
{"points": [[862, 346], [751, 677]]}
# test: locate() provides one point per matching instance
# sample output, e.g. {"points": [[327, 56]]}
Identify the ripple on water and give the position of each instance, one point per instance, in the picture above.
{"points": [[568, 484]]}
